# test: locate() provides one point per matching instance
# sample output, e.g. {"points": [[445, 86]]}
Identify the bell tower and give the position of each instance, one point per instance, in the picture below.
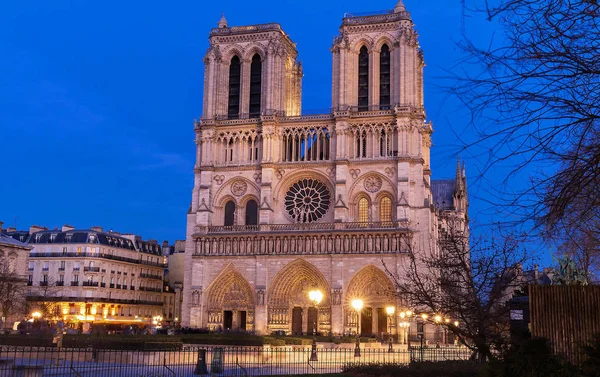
{"points": [[377, 63], [251, 71]]}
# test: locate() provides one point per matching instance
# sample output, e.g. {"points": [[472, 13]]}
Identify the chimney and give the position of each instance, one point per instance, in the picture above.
{"points": [[1, 223], [36, 228], [11, 229], [66, 228], [165, 243], [97, 229]]}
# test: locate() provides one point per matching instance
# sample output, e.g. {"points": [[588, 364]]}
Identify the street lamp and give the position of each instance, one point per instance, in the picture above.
{"points": [[357, 304], [404, 324], [390, 312], [36, 315], [315, 297]]}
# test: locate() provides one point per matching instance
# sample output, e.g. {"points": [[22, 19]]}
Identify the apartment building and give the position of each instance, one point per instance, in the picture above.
{"points": [[94, 276]]}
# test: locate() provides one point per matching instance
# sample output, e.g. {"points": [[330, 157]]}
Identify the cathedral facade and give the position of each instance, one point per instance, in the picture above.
{"points": [[285, 203]]}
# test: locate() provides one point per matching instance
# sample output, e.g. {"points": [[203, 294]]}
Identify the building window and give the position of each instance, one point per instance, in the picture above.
{"points": [[233, 109], [384, 144], [229, 213], [363, 79], [385, 209], [363, 210], [384, 78], [251, 213], [255, 86]]}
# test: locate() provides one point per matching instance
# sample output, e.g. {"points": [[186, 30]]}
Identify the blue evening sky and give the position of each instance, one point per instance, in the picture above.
{"points": [[98, 98]]}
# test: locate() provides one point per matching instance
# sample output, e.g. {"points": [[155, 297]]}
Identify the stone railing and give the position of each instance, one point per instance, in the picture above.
{"points": [[308, 227], [358, 19]]}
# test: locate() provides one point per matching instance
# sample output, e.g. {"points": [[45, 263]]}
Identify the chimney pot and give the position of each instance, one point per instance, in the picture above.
{"points": [[66, 228]]}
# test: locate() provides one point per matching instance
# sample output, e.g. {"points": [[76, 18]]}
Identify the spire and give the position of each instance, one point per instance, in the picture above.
{"points": [[222, 22], [459, 179], [399, 7]]}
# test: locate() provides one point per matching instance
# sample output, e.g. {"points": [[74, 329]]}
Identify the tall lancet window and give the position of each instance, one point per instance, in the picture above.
{"points": [[363, 79], [255, 86], [384, 78], [233, 110]]}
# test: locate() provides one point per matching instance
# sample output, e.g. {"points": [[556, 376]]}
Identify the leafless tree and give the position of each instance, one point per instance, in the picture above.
{"points": [[42, 298], [534, 96], [12, 291], [467, 280]]}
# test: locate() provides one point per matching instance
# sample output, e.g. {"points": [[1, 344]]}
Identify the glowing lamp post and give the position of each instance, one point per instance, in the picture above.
{"points": [[36, 315], [390, 310], [357, 304], [404, 324], [315, 297]]}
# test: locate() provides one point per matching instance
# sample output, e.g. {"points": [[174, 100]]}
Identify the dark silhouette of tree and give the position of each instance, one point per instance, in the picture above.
{"points": [[469, 280], [534, 96], [12, 291]]}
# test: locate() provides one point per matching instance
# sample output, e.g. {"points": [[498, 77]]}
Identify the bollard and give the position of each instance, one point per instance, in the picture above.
{"points": [[216, 366], [201, 364]]}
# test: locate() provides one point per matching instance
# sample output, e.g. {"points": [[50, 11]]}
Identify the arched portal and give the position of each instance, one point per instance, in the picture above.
{"points": [[290, 308], [376, 290], [230, 302]]}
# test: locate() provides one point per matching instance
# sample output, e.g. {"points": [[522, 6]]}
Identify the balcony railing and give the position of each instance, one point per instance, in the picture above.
{"points": [[29, 283], [60, 283], [111, 285], [95, 255], [90, 283], [92, 299], [308, 227], [30, 269], [76, 268], [45, 269], [91, 269], [74, 284], [43, 283], [61, 269], [150, 276], [149, 289]]}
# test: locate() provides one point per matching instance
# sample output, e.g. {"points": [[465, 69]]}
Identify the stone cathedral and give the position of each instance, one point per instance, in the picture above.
{"points": [[285, 203]]}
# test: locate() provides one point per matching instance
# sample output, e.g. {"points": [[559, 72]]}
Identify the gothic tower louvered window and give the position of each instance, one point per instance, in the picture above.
{"points": [[384, 78], [233, 109], [363, 79], [255, 86]]}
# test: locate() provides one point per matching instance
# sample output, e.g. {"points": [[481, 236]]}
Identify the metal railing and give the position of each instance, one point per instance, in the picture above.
{"points": [[304, 227], [174, 359], [94, 255]]}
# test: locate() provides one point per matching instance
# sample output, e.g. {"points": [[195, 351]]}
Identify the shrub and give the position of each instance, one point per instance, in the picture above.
{"points": [[427, 369]]}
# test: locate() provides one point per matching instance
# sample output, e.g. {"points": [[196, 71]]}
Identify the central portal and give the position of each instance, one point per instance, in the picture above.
{"points": [[366, 322]]}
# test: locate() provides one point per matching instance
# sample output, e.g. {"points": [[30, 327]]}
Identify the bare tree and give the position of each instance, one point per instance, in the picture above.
{"points": [[12, 291], [534, 96], [468, 280], [42, 298]]}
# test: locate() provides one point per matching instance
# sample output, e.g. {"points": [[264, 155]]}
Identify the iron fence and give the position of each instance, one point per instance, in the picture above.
{"points": [[194, 361]]}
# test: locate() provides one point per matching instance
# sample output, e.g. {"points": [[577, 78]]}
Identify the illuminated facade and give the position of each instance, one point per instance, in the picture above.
{"points": [[94, 276], [285, 203]]}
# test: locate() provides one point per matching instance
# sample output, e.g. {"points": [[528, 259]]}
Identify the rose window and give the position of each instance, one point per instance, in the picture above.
{"points": [[307, 200]]}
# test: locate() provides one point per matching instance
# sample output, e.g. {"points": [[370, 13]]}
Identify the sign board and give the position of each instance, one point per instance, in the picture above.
{"points": [[516, 315]]}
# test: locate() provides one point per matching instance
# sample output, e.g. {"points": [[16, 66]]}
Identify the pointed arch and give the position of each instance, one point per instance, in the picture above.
{"points": [[235, 84], [230, 291], [254, 103], [293, 282], [371, 285]]}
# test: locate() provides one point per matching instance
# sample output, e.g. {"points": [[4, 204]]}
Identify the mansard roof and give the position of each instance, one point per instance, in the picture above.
{"points": [[86, 236], [6, 240]]}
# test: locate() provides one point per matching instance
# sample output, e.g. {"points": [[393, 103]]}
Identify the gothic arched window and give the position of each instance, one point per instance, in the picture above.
{"points": [[384, 78], [255, 86], [251, 213], [363, 79], [233, 109], [363, 210], [385, 209], [229, 213]]}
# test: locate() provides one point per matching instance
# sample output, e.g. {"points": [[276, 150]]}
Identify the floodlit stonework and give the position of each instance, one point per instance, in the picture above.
{"points": [[285, 203]]}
